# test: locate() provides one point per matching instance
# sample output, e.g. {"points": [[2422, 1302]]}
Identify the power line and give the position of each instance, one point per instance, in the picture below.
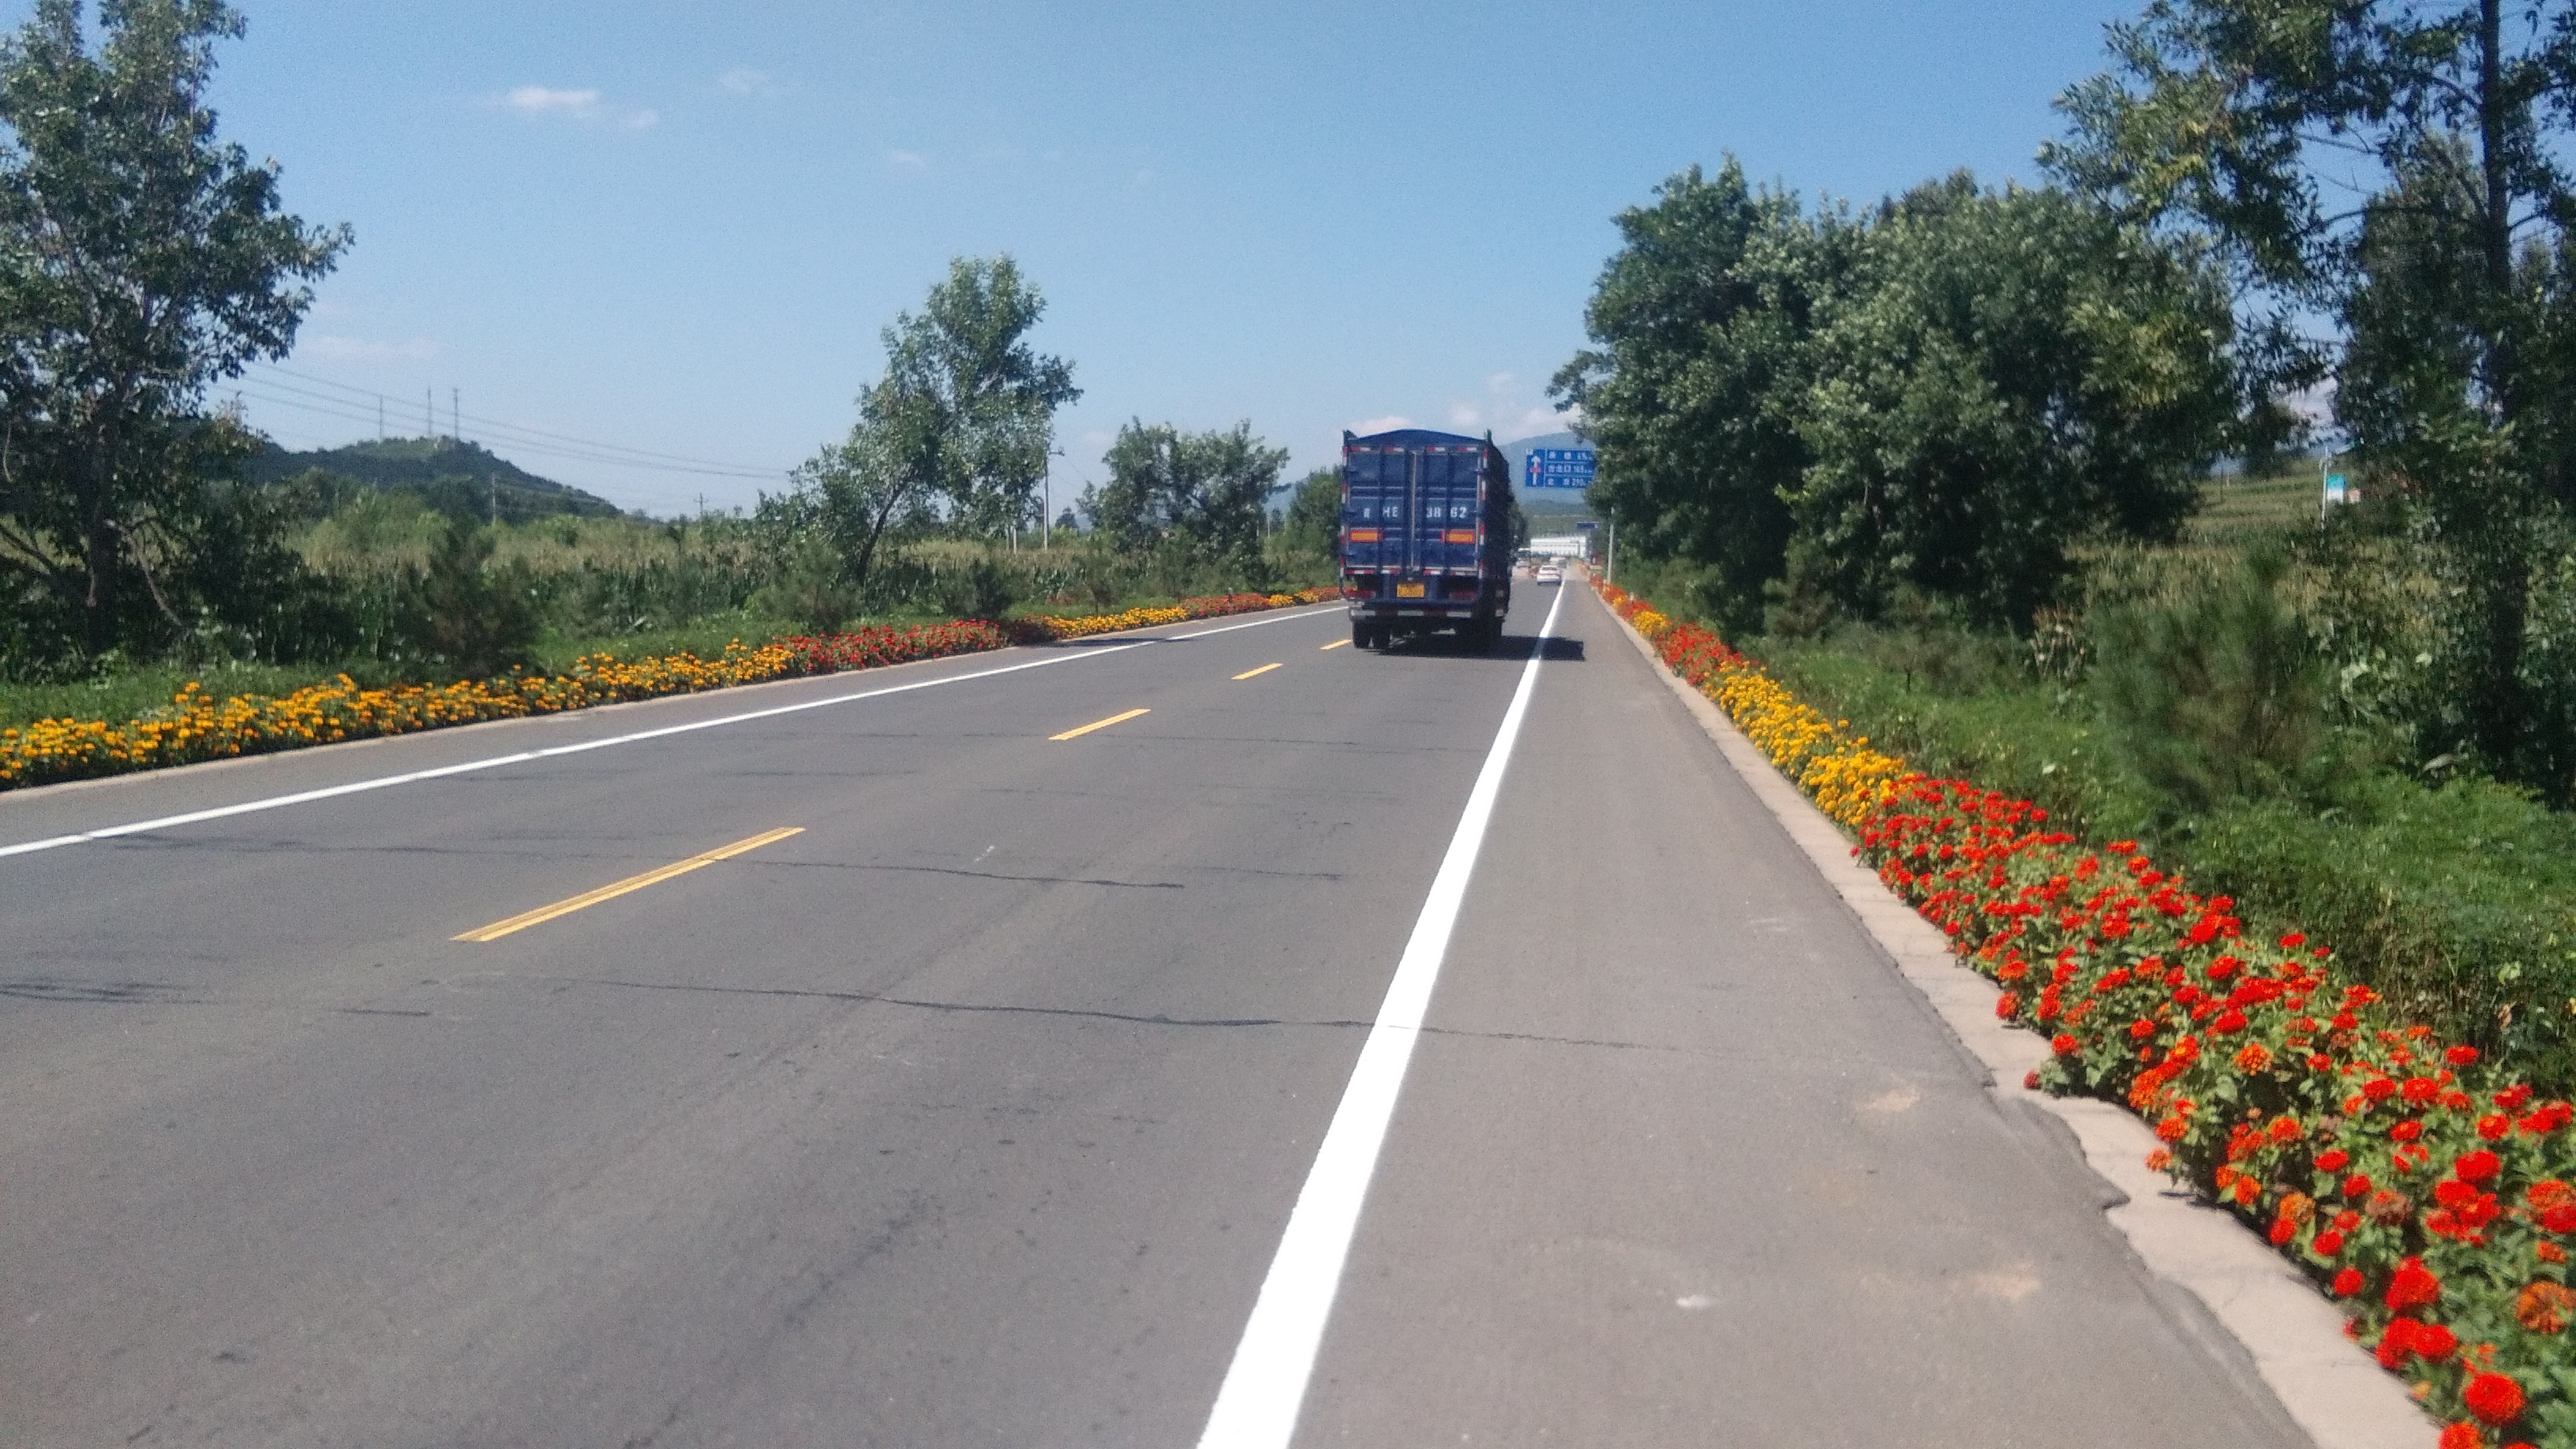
{"points": [[501, 427], [331, 407]]}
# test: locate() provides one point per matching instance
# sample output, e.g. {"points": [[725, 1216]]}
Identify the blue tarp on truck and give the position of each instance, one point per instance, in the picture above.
{"points": [[1426, 536]]}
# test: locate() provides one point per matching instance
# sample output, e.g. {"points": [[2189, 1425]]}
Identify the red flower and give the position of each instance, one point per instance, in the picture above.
{"points": [[2493, 1128], [2283, 1230], [2478, 1166], [2494, 1398], [2413, 1287], [2357, 1186], [2141, 1029], [2512, 1098], [2332, 1159], [2406, 1131], [2230, 1020], [2329, 1243], [2379, 1089], [2348, 1282], [2461, 1056], [2064, 1044], [2420, 1091], [2434, 1341], [2561, 1219], [2396, 1343], [2008, 1005], [2462, 1435], [2293, 941]]}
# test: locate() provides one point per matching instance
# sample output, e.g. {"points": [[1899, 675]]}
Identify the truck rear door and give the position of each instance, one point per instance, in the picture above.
{"points": [[1373, 512], [1449, 502]]}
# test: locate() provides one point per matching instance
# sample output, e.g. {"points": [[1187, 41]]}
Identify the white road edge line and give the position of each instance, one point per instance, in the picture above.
{"points": [[385, 782], [1265, 1386]]}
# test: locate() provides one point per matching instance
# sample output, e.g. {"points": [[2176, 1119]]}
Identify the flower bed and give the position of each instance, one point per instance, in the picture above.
{"points": [[1040, 628], [198, 726], [2426, 1192]]}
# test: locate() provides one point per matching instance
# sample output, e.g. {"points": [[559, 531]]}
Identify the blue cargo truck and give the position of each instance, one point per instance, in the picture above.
{"points": [[1426, 536]]}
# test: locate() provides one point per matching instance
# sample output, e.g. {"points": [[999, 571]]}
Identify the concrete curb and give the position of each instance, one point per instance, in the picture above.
{"points": [[2328, 1385]]}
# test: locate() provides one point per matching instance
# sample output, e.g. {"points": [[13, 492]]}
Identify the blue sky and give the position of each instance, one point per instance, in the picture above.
{"points": [[680, 227]]}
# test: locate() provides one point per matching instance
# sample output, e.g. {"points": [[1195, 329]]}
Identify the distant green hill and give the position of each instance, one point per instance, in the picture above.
{"points": [[452, 477]]}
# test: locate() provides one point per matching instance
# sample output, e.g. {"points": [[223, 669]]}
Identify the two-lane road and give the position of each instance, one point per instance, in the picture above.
{"points": [[967, 1100]]}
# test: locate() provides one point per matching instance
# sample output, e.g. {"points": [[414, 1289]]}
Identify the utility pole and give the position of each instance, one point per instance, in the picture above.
{"points": [[429, 413], [1046, 502], [455, 416], [380, 417]]}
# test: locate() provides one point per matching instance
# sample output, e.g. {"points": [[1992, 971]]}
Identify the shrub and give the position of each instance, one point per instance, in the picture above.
{"points": [[2216, 696]]}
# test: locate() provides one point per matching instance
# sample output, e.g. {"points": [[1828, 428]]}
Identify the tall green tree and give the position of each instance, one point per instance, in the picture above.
{"points": [[1202, 492], [958, 428], [2013, 374], [2397, 168], [1314, 521], [141, 260], [1702, 325]]}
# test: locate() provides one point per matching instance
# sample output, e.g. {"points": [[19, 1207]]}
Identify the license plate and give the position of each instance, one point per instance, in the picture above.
{"points": [[1408, 591]]}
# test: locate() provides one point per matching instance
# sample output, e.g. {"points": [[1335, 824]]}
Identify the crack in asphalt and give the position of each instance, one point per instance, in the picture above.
{"points": [[881, 999]]}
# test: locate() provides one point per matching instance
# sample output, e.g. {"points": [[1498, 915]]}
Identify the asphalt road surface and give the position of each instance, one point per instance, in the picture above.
{"points": [[973, 1112]]}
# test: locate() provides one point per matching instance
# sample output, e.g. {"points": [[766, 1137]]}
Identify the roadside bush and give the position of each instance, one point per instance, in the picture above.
{"points": [[813, 590], [475, 620], [980, 589], [2217, 696]]}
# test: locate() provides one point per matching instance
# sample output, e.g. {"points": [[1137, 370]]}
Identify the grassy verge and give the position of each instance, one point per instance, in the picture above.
{"points": [[2458, 904]]}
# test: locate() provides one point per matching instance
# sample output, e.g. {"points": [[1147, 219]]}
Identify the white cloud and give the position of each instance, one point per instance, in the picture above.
{"points": [[1464, 415], [325, 347], [1546, 420], [745, 80], [912, 161], [584, 105], [1386, 424], [544, 100]]}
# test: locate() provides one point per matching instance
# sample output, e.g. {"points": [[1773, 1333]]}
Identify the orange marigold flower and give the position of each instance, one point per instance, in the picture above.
{"points": [[2253, 1058], [2008, 1005], [2247, 1189], [2462, 1435], [2159, 1160], [2544, 1307]]}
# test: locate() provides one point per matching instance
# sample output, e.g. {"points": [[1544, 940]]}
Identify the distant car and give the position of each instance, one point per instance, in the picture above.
{"points": [[1550, 574]]}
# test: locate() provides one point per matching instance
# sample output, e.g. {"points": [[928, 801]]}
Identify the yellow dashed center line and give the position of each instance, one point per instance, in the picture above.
{"points": [[1336, 644], [1099, 724], [541, 914], [1264, 669]]}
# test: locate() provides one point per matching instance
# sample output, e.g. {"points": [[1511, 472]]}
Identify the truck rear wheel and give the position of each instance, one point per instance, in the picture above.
{"points": [[1359, 633]]}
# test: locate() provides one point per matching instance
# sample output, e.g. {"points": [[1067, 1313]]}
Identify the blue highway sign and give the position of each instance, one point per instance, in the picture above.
{"points": [[1557, 468]]}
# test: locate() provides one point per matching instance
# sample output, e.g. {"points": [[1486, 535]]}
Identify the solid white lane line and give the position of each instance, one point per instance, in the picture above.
{"points": [[385, 782], [1257, 1406]]}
